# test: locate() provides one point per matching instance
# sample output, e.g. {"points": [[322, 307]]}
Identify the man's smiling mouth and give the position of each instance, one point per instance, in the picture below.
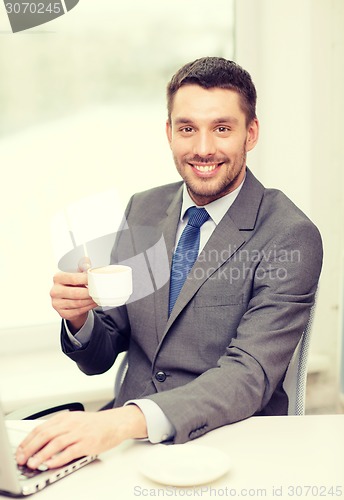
{"points": [[205, 168]]}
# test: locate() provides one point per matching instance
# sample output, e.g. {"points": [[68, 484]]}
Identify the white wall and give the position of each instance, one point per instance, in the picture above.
{"points": [[295, 53]]}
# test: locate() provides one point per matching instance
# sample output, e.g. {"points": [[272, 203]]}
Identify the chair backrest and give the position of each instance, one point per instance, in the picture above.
{"points": [[296, 377], [121, 372], [341, 365]]}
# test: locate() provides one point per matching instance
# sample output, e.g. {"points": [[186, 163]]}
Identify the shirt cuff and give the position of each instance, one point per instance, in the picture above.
{"points": [[82, 337], [159, 428]]}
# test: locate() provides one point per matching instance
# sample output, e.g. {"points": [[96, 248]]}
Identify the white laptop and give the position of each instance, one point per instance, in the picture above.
{"points": [[18, 480]]}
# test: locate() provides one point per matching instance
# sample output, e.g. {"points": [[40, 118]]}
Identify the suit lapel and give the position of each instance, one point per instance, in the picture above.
{"points": [[167, 227], [225, 241]]}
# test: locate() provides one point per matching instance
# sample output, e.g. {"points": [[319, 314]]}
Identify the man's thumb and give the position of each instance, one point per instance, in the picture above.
{"points": [[84, 264]]}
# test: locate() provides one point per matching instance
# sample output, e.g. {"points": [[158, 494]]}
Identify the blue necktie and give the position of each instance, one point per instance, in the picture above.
{"points": [[186, 252]]}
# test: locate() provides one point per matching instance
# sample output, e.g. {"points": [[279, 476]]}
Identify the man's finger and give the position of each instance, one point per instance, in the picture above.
{"points": [[69, 292], [70, 279], [84, 264], [64, 457]]}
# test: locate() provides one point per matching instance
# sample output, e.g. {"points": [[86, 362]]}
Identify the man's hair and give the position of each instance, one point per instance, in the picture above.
{"points": [[215, 72]]}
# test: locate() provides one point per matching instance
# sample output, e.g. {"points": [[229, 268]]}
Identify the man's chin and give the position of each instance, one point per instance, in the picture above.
{"points": [[205, 195], [208, 192]]}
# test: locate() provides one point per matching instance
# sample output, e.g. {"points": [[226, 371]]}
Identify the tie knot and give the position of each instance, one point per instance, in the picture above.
{"points": [[197, 216]]}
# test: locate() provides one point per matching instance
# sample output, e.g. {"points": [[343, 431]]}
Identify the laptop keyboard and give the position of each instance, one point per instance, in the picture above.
{"points": [[25, 472]]}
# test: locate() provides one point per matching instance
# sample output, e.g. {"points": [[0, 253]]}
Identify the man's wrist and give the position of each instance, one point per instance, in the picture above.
{"points": [[81, 338], [76, 324], [134, 424], [159, 427]]}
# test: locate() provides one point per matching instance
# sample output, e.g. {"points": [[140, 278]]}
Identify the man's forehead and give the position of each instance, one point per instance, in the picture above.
{"points": [[223, 104], [233, 120], [189, 88]]}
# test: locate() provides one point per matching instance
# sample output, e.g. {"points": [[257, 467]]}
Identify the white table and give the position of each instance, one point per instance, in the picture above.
{"points": [[271, 457]]}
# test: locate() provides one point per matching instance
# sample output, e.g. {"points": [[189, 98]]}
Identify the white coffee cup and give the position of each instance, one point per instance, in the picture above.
{"points": [[110, 286]]}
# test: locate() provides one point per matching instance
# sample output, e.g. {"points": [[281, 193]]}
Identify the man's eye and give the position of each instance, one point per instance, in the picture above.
{"points": [[186, 130], [223, 129]]}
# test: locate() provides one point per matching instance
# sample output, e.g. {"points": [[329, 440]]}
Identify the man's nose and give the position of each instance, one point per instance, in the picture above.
{"points": [[204, 144]]}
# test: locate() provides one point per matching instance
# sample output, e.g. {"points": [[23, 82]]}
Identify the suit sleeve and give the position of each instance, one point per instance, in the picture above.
{"points": [[249, 375], [108, 339], [110, 333]]}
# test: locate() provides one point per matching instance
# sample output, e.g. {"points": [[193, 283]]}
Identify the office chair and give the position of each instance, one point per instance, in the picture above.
{"points": [[296, 376], [36, 411], [341, 365]]}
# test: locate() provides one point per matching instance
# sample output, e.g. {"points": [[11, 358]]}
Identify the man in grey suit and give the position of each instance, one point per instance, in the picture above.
{"points": [[216, 351]]}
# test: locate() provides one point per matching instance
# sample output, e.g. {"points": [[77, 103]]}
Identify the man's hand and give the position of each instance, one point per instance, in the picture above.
{"points": [[72, 435], [70, 298]]}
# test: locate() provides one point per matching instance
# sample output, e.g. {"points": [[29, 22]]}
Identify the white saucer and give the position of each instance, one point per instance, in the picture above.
{"points": [[184, 465]]}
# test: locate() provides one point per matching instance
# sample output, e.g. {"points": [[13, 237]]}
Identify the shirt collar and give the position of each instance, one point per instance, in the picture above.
{"points": [[216, 209]]}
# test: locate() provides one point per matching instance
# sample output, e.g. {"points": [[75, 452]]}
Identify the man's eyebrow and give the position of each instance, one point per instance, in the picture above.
{"points": [[222, 119], [181, 121], [226, 119]]}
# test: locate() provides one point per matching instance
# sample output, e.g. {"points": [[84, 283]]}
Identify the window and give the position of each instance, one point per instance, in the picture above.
{"points": [[83, 110]]}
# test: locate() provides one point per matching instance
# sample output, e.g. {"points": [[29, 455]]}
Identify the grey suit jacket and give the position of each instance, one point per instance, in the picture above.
{"points": [[223, 353]]}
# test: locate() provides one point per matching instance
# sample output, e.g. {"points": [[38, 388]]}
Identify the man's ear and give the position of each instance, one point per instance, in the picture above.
{"points": [[252, 134], [169, 131]]}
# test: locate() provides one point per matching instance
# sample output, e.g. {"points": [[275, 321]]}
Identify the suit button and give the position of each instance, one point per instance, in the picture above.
{"points": [[160, 376]]}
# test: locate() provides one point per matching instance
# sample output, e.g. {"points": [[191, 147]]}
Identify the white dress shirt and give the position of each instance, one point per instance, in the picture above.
{"points": [[159, 428]]}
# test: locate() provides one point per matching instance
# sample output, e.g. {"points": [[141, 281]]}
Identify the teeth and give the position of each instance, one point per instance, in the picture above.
{"points": [[205, 168]]}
